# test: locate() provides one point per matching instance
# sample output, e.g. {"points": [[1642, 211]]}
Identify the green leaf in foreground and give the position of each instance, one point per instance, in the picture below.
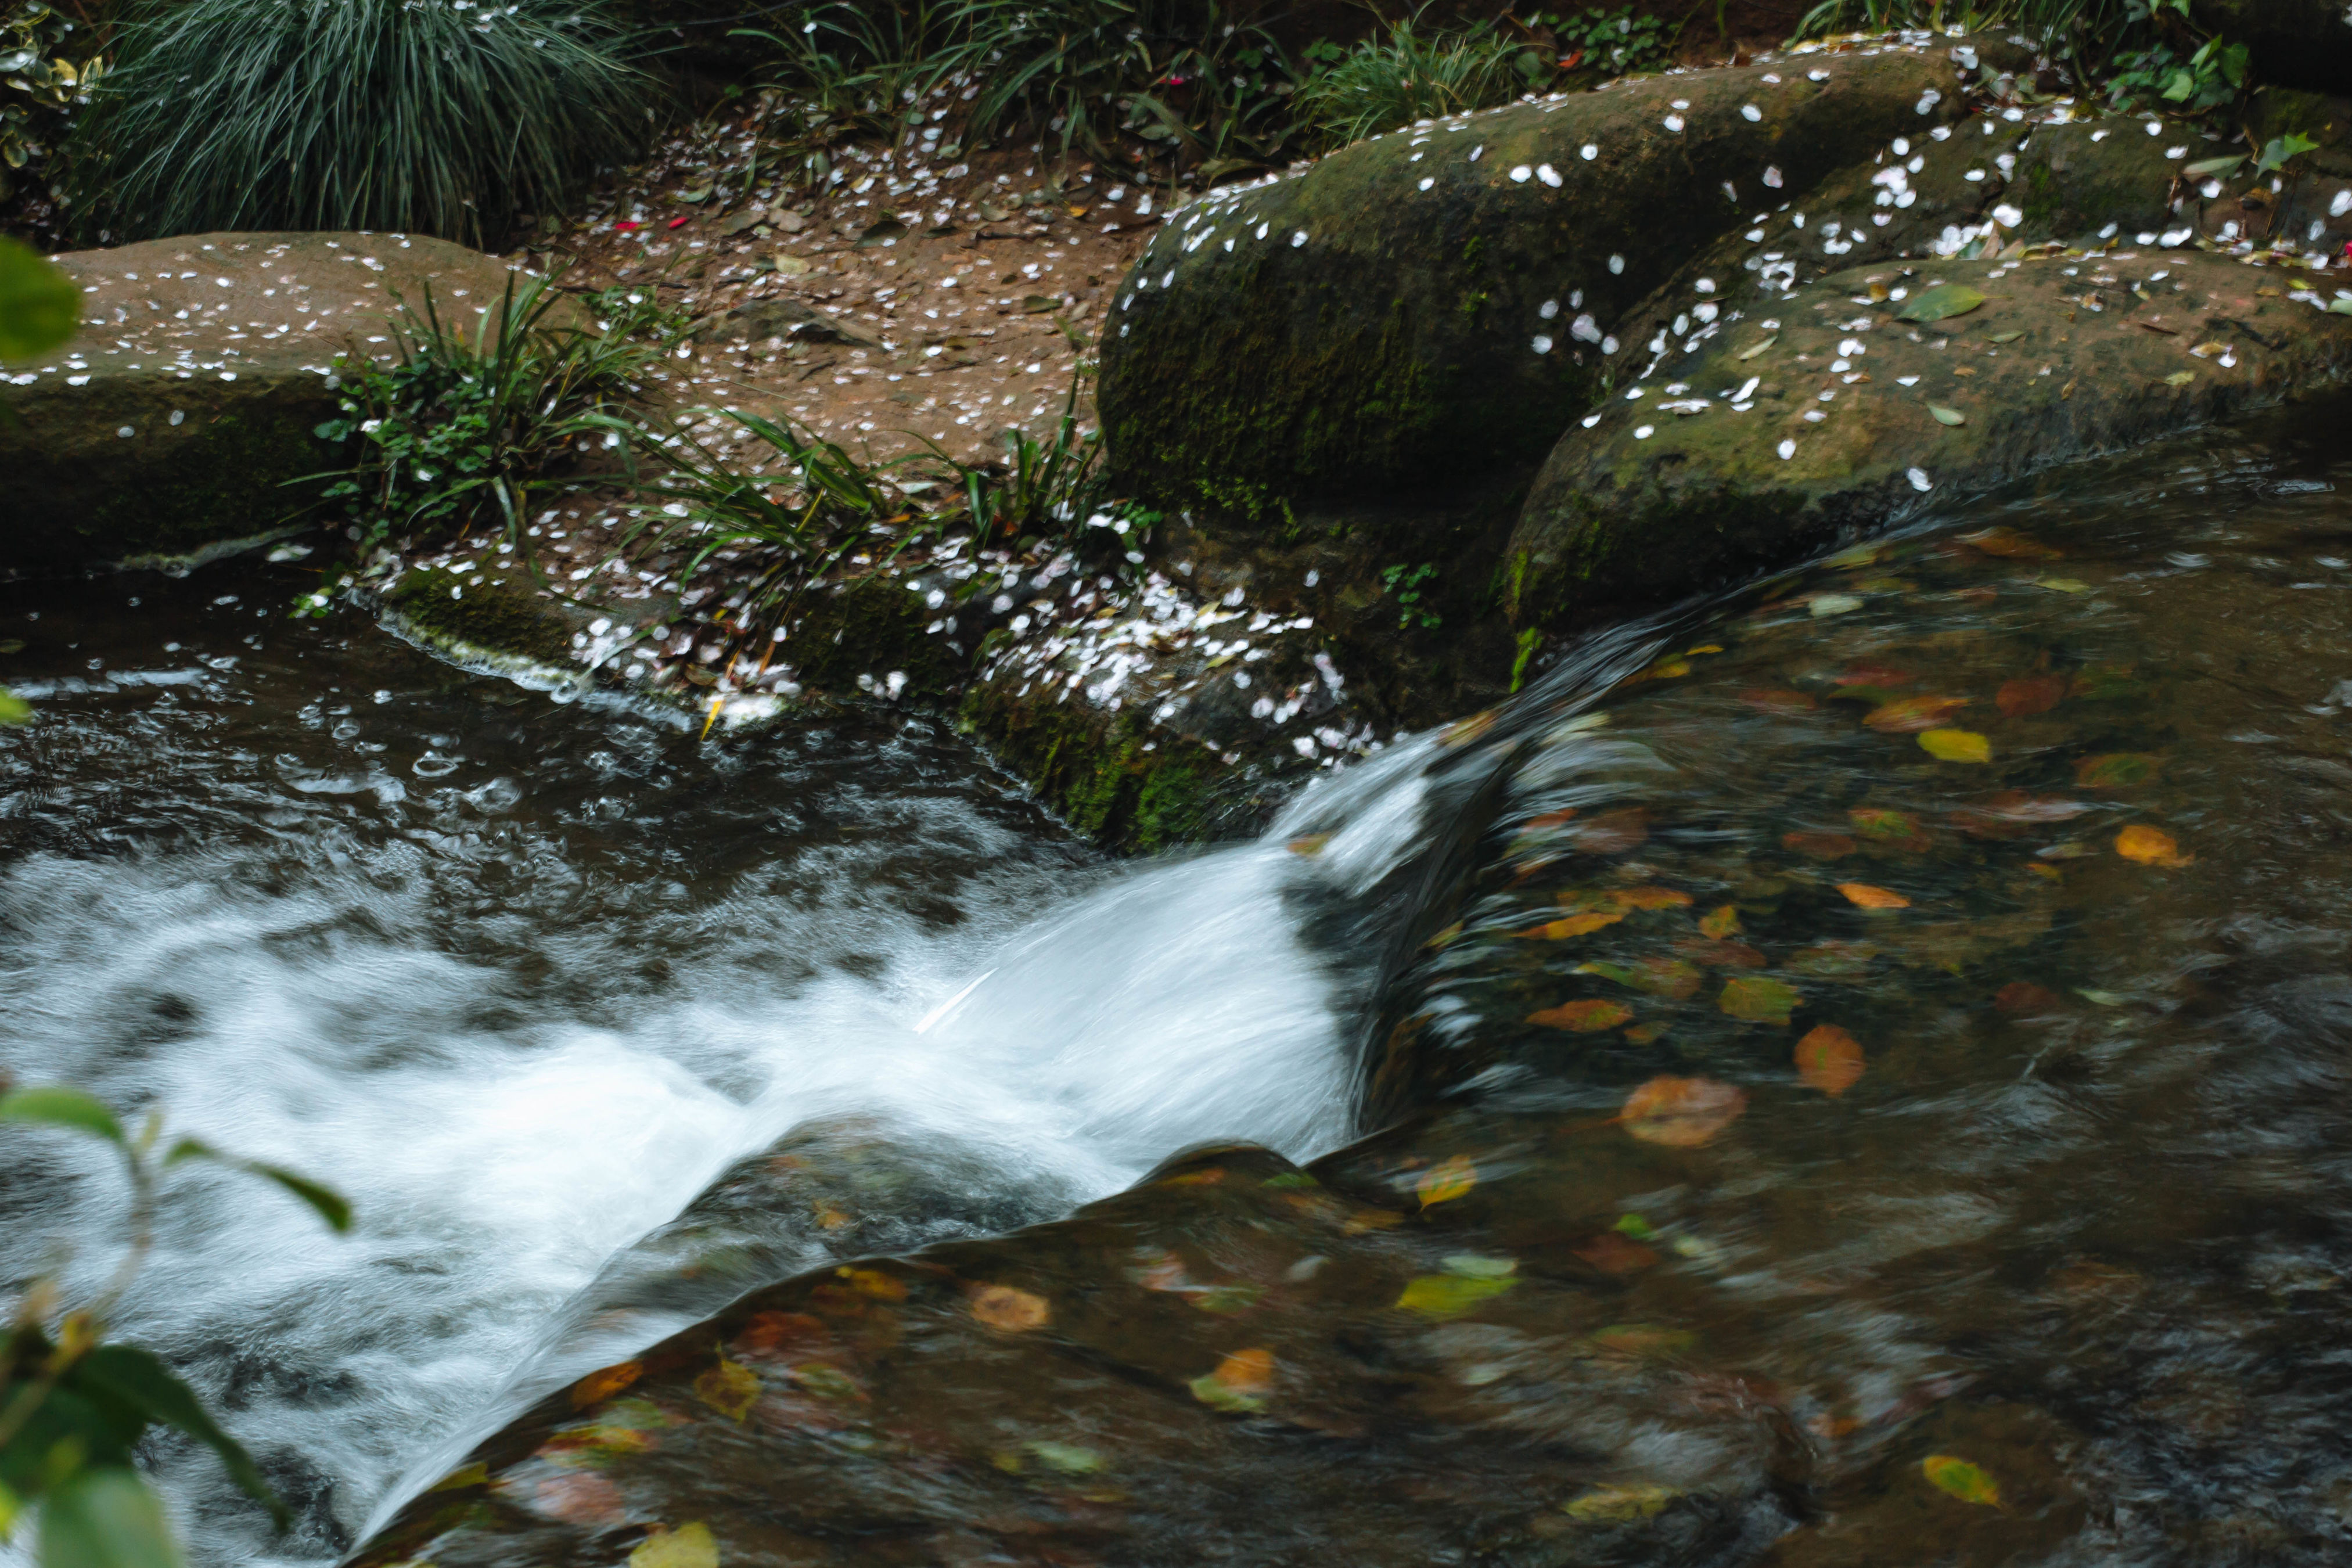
{"points": [[1941, 303], [1947, 415], [105, 1519], [138, 1379], [14, 709], [52, 1105], [331, 1206], [40, 305]]}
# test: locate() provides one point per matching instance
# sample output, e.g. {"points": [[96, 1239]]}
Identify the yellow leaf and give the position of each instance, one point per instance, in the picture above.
{"points": [[730, 1388], [1721, 923], [2150, 846], [1449, 1295], [1575, 925], [1443, 1184], [1619, 1505], [1241, 1382], [1956, 746], [689, 1546], [1870, 897], [1015, 1312], [1759, 348], [1310, 846], [873, 1282], [1960, 1480], [603, 1384], [1649, 897]]}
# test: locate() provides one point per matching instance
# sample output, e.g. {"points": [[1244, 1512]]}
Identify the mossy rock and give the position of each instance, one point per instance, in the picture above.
{"points": [[1402, 317], [183, 415], [479, 622], [2296, 43], [2066, 358], [1117, 780]]}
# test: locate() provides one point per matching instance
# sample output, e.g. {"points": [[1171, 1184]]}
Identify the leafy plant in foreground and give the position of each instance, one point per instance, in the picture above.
{"points": [[1045, 488], [426, 116], [73, 1407], [464, 424], [39, 80]]}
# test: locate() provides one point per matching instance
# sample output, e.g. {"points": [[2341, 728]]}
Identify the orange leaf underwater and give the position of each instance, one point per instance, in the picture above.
{"points": [[1682, 1112], [1870, 897], [1830, 1059], [1584, 1018], [2150, 846]]}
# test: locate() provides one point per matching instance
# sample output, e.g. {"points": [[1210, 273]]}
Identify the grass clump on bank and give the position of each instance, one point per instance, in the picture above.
{"points": [[408, 116]]}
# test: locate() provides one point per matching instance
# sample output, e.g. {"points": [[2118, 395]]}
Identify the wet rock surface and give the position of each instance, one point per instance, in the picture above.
{"points": [[2015, 1269], [182, 415], [1835, 415]]}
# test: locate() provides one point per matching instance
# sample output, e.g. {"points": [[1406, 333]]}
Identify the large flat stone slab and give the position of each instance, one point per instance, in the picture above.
{"points": [[182, 415]]}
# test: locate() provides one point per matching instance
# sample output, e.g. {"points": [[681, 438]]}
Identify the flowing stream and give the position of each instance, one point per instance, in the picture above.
{"points": [[522, 979]]}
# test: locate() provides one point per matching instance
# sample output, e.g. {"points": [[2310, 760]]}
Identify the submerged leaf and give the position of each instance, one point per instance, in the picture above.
{"points": [[1449, 1295], [1443, 1182], [1682, 1112], [1780, 702], [2009, 544], [1863, 896], [1584, 1018], [1760, 1000], [689, 1546], [730, 1388], [1240, 1384], [1619, 1505], [1015, 1312], [1956, 746], [2031, 694], [1721, 922], [1910, 715], [1828, 1059], [1575, 925], [1941, 303], [1961, 1479], [1820, 845], [2116, 770], [1668, 977], [2150, 846], [1649, 897]]}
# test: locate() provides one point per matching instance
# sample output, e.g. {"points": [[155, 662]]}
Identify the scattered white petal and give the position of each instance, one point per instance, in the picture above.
{"points": [[1788, 450], [1920, 482], [1522, 174], [1542, 344]]}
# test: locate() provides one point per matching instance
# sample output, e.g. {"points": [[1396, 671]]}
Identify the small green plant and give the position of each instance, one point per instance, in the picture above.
{"points": [[1406, 74], [425, 116], [2176, 67], [798, 522], [1405, 585], [1615, 43], [848, 72], [1045, 488], [463, 425], [1077, 72], [73, 1407], [41, 76]]}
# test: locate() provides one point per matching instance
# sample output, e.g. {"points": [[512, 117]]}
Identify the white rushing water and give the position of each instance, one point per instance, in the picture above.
{"points": [[501, 1143]]}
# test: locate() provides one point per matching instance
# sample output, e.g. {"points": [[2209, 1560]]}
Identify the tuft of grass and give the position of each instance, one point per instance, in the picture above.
{"points": [[850, 72], [1045, 487], [463, 425], [1407, 74], [797, 524], [409, 116]]}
